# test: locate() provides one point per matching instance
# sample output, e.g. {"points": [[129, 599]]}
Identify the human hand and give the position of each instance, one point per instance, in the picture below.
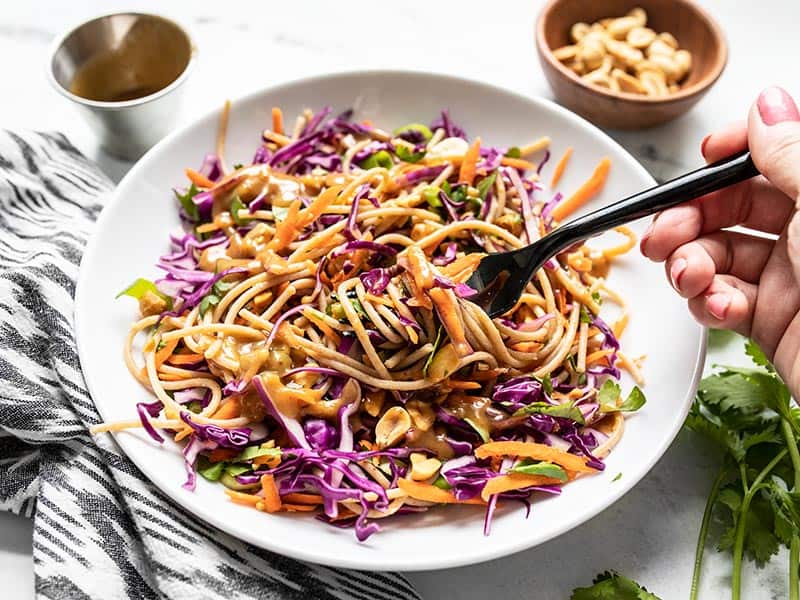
{"points": [[734, 280]]}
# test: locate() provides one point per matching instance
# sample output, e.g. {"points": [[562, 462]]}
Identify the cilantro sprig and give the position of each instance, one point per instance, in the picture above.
{"points": [[748, 413], [613, 586]]}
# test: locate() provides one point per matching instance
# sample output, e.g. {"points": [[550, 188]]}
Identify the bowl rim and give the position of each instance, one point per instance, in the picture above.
{"points": [[684, 93], [377, 562]]}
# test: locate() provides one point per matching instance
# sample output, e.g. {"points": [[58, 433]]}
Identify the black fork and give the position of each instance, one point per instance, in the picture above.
{"points": [[501, 278]]}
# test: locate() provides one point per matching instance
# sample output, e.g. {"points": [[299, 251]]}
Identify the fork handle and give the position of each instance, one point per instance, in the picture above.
{"points": [[713, 177]]}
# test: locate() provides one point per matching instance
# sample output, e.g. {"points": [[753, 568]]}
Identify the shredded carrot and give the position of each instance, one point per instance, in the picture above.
{"points": [[207, 227], [468, 262], [165, 352], [313, 315], [199, 179], [620, 325], [240, 498], [560, 166], [300, 498], [431, 493], [517, 163], [457, 384], [173, 376], [597, 356], [287, 230], [271, 460], [448, 314], [184, 359], [526, 346], [297, 508], [271, 499], [318, 206], [536, 451], [221, 454], [230, 410], [183, 433], [467, 172], [513, 481], [277, 120], [590, 188]]}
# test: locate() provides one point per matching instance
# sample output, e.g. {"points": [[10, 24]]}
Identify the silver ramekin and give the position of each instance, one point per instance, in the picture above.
{"points": [[126, 128]]}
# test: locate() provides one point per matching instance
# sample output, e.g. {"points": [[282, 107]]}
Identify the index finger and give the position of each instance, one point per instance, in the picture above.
{"points": [[755, 203]]}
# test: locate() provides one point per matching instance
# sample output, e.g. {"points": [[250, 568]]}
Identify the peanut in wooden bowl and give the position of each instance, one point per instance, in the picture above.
{"points": [[694, 29]]}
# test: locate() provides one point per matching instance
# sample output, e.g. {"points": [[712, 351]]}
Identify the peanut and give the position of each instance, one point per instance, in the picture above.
{"points": [[623, 54]]}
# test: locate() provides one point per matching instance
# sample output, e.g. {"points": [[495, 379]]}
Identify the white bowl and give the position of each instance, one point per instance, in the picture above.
{"points": [[133, 231]]}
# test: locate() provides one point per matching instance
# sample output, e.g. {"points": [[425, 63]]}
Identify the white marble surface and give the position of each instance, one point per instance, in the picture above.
{"points": [[650, 534]]}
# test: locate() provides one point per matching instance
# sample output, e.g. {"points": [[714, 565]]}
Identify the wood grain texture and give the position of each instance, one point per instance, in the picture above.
{"points": [[694, 29]]}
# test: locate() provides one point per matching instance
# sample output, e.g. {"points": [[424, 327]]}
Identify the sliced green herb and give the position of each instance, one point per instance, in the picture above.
{"points": [[596, 297], [545, 469], [209, 470], [568, 410], [208, 301], [609, 394], [617, 477], [189, 207], [380, 159], [436, 345], [419, 127], [442, 484], [234, 470], [280, 213], [195, 406], [236, 206], [409, 156], [252, 452], [585, 316], [431, 196], [237, 166], [485, 184]]}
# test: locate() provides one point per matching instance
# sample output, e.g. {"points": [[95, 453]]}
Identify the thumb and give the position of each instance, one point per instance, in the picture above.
{"points": [[774, 139]]}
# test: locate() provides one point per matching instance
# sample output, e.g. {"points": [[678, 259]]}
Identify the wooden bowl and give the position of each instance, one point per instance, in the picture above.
{"points": [[691, 25]]}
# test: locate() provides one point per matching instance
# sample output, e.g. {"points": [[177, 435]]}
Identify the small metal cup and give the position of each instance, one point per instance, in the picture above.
{"points": [[125, 73]]}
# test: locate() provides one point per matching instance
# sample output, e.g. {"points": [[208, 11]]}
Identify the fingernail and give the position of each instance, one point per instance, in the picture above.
{"points": [[703, 145], [718, 305], [775, 105], [675, 271], [646, 236]]}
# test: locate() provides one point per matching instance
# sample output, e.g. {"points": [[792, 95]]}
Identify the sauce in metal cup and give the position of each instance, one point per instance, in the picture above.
{"points": [[124, 72]]}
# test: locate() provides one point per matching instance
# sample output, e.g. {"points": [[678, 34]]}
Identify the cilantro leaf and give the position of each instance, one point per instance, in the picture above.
{"points": [[485, 184], [545, 469], [634, 401], [757, 354], [585, 316], [613, 586], [568, 410], [189, 207], [207, 302], [209, 470], [513, 152], [608, 394]]}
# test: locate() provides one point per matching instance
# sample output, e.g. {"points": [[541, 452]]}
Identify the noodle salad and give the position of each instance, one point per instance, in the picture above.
{"points": [[311, 346]]}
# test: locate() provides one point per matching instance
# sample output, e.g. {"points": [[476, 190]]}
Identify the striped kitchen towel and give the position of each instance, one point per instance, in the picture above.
{"points": [[101, 530]]}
